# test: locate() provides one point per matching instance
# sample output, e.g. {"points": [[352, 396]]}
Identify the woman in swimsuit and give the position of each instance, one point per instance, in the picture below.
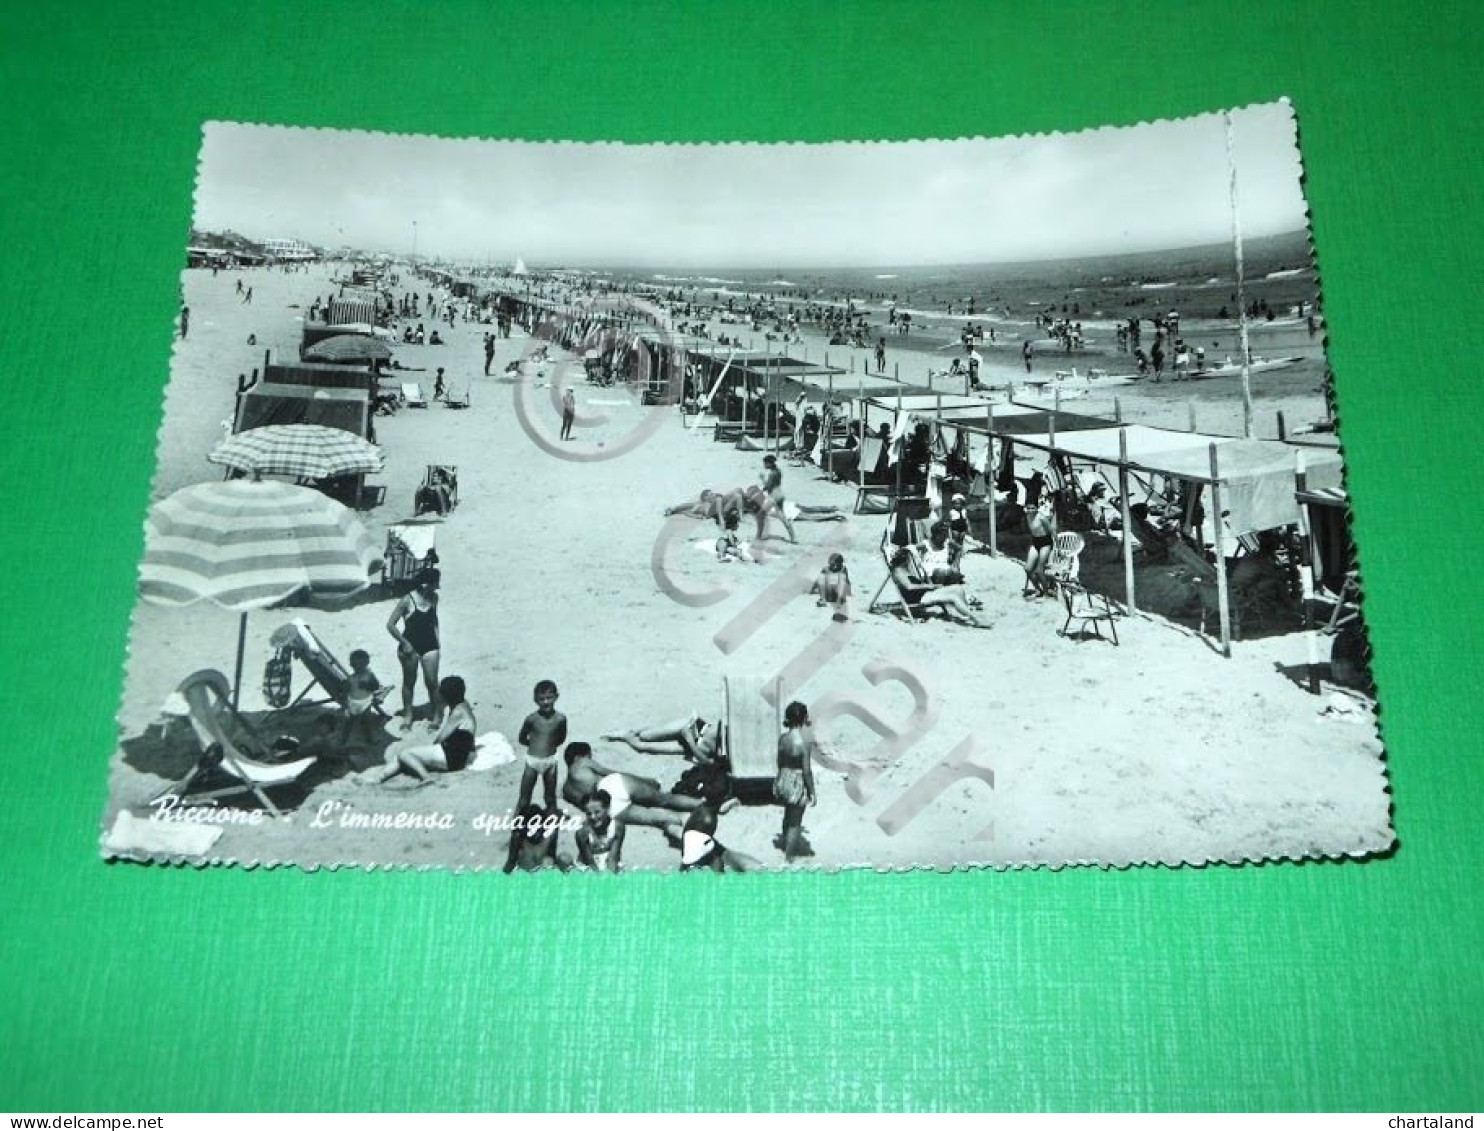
{"points": [[414, 626], [695, 738], [1043, 534], [793, 788], [772, 503], [449, 752]]}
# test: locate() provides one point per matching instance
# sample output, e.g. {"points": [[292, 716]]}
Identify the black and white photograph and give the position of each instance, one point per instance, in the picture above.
{"points": [[741, 507]]}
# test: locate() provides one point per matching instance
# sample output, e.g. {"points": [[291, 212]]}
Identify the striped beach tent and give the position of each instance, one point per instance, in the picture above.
{"points": [[245, 545], [307, 451]]}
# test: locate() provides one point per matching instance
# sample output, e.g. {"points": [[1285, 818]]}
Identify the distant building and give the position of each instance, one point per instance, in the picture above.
{"points": [[289, 251]]}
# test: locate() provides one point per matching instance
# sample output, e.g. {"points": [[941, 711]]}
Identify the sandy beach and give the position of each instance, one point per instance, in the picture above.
{"points": [[1157, 749]]}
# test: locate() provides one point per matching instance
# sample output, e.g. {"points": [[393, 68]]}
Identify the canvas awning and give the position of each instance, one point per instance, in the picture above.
{"points": [[1256, 476]]}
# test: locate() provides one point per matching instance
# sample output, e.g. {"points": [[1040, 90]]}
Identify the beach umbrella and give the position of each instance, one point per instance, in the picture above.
{"points": [[306, 451], [348, 347], [246, 545]]}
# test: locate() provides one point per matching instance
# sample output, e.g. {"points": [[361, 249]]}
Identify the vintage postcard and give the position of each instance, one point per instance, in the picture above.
{"points": [[733, 507]]}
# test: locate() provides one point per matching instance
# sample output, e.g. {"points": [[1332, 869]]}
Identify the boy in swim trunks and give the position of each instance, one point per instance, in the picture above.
{"points": [[542, 734], [362, 692]]}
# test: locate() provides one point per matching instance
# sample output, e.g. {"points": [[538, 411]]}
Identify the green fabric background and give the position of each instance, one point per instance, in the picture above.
{"points": [[1331, 985]]}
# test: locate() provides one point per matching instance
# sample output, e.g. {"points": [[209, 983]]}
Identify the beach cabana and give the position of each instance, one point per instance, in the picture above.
{"points": [[319, 375], [271, 403], [1251, 483]]}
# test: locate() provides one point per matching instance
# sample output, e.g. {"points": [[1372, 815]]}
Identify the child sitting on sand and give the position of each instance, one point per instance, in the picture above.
{"points": [[729, 545], [363, 691], [533, 842], [600, 839], [832, 586], [542, 734]]}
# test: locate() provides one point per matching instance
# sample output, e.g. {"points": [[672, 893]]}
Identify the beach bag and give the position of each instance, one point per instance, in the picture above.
{"points": [[278, 674]]}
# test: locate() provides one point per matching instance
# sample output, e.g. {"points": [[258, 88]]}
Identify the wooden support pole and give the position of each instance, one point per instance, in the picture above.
{"points": [[991, 474], [1306, 574], [1117, 411], [826, 419], [1223, 598], [1128, 542], [1282, 426], [1190, 408]]}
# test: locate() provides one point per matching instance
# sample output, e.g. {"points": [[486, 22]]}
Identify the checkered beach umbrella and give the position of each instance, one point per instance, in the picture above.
{"points": [[307, 451], [245, 545], [348, 347]]}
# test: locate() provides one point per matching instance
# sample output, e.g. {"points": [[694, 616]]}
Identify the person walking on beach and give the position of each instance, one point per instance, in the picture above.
{"points": [[239, 286], [1026, 353], [569, 413], [489, 353], [185, 319], [440, 390], [773, 501], [881, 356], [247, 297]]}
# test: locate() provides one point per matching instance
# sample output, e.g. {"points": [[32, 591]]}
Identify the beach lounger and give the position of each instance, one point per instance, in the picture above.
{"points": [[228, 748], [412, 395], [753, 726], [325, 669], [410, 549], [439, 493]]}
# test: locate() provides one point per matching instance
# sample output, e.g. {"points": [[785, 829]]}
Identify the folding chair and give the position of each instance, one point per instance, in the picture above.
{"points": [[439, 492], [410, 549], [325, 669], [753, 725], [208, 697], [412, 395], [1080, 603]]}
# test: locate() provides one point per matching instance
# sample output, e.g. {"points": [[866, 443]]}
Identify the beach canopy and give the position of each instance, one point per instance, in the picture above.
{"points": [[247, 545], [306, 451], [1257, 476], [270, 403], [348, 348]]}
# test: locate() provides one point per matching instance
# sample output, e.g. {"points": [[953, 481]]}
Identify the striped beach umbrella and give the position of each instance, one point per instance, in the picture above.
{"points": [[308, 451], [245, 545], [348, 348]]}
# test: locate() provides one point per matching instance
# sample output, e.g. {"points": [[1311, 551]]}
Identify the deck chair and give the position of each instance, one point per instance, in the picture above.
{"points": [[907, 526], [412, 395], [325, 669], [907, 601], [439, 493], [752, 729], [1081, 604], [410, 549], [228, 744]]}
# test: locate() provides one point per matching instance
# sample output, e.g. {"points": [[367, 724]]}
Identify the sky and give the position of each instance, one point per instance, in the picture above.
{"points": [[848, 204]]}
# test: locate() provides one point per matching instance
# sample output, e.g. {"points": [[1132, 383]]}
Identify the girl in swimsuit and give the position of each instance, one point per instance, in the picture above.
{"points": [[414, 626], [600, 840], [450, 751], [793, 788]]}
